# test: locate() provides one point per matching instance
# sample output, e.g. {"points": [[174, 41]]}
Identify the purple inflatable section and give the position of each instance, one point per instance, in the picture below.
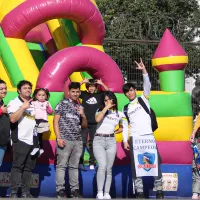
{"points": [[18, 22], [58, 68], [41, 34]]}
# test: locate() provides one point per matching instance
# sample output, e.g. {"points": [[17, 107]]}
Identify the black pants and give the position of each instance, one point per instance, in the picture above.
{"points": [[91, 130], [22, 166], [37, 140]]}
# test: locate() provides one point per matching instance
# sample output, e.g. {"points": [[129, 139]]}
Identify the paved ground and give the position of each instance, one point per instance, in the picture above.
{"points": [[44, 198]]}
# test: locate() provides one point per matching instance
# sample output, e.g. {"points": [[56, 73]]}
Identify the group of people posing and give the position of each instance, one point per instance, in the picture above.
{"points": [[98, 116]]}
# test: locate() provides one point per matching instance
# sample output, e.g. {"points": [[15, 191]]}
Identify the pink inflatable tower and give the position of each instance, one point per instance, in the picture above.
{"points": [[170, 61]]}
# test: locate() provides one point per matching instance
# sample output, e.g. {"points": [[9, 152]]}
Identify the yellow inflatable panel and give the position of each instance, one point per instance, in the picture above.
{"points": [[158, 92], [50, 135], [24, 59], [77, 77], [61, 43], [57, 33], [99, 47], [171, 129], [7, 5], [75, 26], [12, 89], [4, 75], [169, 60], [94, 2]]}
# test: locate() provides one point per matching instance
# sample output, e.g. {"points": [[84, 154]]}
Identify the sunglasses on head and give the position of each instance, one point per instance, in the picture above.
{"points": [[45, 89]]}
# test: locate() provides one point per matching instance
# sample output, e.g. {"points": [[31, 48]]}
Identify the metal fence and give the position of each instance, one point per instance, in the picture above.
{"points": [[125, 52]]}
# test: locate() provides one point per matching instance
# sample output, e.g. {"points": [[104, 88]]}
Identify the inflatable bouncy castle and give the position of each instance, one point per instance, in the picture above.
{"points": [[53, 42]]}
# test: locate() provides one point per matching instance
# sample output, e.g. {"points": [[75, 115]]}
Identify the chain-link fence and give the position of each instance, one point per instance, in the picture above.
{"points": [[125, 52]]}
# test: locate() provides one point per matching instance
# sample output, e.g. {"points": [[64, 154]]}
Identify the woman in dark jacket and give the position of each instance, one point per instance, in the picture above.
{"points": [[4, 122]]}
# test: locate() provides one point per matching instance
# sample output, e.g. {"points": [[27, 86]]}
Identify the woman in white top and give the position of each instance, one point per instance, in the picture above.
{"points": [[104, 145]]}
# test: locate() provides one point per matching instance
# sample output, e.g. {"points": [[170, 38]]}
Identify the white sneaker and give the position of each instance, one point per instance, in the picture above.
{"points": [[34, 151], [91, 167], [195, 196], [99, 195], [106, 196]]}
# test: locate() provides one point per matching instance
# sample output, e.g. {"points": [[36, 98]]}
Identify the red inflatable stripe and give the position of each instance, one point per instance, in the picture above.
{"points": [[171, 153]]}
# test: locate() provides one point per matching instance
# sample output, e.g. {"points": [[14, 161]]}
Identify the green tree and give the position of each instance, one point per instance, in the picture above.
{"points": [[147, 20], [140, 19]]}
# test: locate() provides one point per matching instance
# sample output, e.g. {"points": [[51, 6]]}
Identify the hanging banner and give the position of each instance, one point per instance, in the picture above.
{"points": [[170, 182], [145, 155], [5, 180]]}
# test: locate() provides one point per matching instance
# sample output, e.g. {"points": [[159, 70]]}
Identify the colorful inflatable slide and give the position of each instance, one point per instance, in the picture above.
{"points": [[52, 42]]}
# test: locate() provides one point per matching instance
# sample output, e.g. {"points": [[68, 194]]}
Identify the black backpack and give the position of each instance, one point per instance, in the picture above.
{"points": [[154, 123]]}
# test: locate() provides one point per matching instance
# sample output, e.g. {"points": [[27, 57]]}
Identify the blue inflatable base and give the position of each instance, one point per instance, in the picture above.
{"points": [[121, 183]]}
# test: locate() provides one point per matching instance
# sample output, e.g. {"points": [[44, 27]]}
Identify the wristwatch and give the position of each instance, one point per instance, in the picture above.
{"points": [[57, 139]]}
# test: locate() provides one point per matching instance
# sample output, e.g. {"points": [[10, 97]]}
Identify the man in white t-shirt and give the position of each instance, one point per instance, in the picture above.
{"points": [[22, 126], [140, 125]]}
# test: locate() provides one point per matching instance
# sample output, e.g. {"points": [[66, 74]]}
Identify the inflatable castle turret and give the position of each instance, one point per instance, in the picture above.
{"points": [[170, 61], [174, 113]]}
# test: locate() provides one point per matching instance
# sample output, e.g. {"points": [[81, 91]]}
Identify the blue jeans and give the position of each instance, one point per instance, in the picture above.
{"points": [[2, 152], [104, 149]]}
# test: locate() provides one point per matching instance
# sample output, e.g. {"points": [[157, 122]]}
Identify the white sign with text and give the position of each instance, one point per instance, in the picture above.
{"points": [[145, 155]]}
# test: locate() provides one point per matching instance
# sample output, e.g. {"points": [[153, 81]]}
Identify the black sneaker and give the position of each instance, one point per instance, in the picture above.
{"points": [[61, 194], [26, 195], [76, 194], [159, 194], [13, 195], [140, 195]]}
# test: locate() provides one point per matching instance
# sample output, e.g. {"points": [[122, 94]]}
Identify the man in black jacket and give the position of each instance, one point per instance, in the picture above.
{"points": [[4, 122], [91, 101], [196, 98]]}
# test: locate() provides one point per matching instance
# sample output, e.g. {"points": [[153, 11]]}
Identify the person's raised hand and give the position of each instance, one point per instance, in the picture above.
{"points": [[26, 104], [109, 104], [192, 138], [140, 65], [85, 80], [99, 81], [81, 111]]}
